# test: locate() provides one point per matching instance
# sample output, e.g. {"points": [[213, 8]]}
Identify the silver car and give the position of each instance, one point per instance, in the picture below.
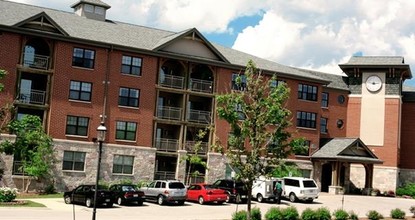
{"points": [[165, 191]]}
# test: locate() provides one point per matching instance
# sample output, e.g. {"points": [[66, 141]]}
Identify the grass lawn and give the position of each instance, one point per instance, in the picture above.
{"points": [[38, 196], [21, 203]]}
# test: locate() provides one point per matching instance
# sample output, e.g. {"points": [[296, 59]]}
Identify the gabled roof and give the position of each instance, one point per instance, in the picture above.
{"points": [[346, 149], [42, 22], [336, 81], [194, 34]]}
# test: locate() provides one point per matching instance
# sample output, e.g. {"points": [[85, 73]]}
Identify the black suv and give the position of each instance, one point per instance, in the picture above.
{"points": [[237, 191]]}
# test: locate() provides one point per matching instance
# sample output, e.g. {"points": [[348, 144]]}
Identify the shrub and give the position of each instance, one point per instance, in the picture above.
{"points": [[406, 190], [50, 189], [374, 215], [353, 216], [309, 214], [274, 213], [256, 214], [7, 194], [239, 215], [412, 210], [323, 213], [397, 213], [340, 214], [290, 213]]}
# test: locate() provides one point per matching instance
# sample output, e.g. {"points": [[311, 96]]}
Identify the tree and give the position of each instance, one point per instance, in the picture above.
{"points": [[193, 158], [3, 73], [32, 147], [257, 114]]}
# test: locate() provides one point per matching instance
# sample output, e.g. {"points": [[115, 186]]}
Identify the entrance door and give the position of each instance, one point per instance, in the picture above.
{"points": [[326, 176]]}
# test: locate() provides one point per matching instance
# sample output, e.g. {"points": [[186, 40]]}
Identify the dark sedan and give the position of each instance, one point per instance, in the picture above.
{"points": [[127, 194], [84, 194]]}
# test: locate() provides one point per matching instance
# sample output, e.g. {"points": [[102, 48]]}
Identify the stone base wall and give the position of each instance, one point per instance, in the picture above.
{"points": [[384, 178], [406, 175], [216, 164]]}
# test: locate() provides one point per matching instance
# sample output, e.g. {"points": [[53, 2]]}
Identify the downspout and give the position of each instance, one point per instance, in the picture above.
{"points": [[106, 83]]}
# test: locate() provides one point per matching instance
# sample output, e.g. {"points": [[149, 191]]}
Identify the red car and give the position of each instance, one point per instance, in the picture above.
{"points": [[205, 193]]}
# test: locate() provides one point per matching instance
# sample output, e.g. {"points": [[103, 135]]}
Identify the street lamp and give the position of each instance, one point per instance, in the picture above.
{"points": [[101, 130]]}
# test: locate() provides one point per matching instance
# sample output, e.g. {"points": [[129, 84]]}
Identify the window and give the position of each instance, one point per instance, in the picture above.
{"points": [[238, 82], [126, 130], [99, 10], [80, 91], [323, 125], [131, 65], [77, 125], [89, 8], [341, 99], [275, 83], [123, 164], [239, 110], [129, 97], [306, 119], [73, 160], [83, 58], [324, 100], [304, 151], [307, 92]]}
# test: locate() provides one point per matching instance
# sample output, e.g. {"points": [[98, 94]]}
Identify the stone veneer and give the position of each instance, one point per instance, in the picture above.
{"points": [[216, 164], [384, 178], [406, 175]]}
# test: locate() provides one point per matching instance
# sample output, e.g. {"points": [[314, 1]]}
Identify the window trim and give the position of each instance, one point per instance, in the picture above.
{"points": [[325, 130], [125, 131], [325, 99], [235, 86], [131, 65], [307, 92], [129, 98], [80, 91], [123, 164], [73, 161], [77, 125], [83, 58], [309, 121]]}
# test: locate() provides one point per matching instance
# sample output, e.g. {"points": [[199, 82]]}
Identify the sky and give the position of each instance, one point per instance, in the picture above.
{"points": [[317, 34]]}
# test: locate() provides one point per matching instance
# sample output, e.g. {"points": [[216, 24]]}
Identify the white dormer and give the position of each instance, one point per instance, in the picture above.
{"points": [[92, 9]]}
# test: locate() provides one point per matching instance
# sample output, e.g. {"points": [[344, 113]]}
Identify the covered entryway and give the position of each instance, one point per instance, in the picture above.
{"points": [[331, 164]]}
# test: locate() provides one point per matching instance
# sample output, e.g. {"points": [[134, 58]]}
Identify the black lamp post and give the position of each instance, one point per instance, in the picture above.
{"points": [[100, 138]]}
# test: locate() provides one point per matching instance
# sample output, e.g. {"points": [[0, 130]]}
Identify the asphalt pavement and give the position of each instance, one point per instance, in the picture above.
{"points": [[56, 209]]}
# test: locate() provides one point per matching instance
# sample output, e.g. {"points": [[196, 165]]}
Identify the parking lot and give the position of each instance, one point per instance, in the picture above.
{"points": [[57, 209]]}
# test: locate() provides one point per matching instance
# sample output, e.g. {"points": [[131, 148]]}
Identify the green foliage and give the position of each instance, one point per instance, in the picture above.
{"points": [[7, 194], [353, 215], [397, 213], [274, 213], [412, 210], [309, 214], [340, 214], [290, 213], [3, 73], [285, 169], [239, 215], [142, 183], [32, 147], [256, 214], [407, 190], [323, 213], [374, 215], [50, 189]]}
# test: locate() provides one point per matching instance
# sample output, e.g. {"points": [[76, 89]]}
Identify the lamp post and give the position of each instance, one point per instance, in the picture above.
{"points": [[101, 130]]}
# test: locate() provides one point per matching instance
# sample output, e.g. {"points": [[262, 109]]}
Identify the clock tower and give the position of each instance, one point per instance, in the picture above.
{"points": [[374, 110]]}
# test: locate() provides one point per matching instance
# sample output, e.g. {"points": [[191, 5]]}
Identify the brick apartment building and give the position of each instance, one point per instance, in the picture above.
{"points": [[154, 89]]}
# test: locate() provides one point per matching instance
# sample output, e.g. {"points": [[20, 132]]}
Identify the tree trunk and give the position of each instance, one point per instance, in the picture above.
{"points": [[248, 217]]}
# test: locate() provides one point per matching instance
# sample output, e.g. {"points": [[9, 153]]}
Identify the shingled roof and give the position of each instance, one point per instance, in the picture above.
{"points": [[133, 37], [346, 149]]}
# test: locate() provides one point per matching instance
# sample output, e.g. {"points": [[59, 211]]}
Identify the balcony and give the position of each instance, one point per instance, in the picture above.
{"points": [[198, 116], [199, 85], [167, 145], [164, 175], [172, 81], [170, 113], [36, 61], [203, 149], [32, 97]]}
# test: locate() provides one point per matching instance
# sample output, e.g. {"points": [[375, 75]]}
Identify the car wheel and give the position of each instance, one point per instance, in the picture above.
{"points": [[181, 202], [238, 199], [119, 201], [228, 198], [68, 200], [201, 200], [110, 204], [260, 198], [140, 203], [160, 200], [88, 202], [293, 198], [309, 201]]}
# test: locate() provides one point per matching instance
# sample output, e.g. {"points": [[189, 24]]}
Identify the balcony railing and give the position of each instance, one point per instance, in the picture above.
{"points": [[32, 97], [192, 178], [190, 147], [36, 61], [164, 175], [171, 81], [168, 145], [198, 116], [18, 168], [199, 85], [171, 113]]}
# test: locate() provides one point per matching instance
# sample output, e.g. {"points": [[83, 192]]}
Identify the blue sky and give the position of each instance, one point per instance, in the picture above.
{"points": [[318, 34]]}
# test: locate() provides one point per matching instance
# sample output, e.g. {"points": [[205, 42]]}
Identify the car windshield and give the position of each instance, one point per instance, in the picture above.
{"points": [[176, 185], [309, 184], [128, 188]]}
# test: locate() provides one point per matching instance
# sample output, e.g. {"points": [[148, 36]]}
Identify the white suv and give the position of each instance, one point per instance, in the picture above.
{"points": [[299, 188], [162, 191]]}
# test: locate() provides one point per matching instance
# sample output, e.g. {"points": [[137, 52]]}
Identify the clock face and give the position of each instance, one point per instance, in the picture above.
{"points": [[373, 83]]}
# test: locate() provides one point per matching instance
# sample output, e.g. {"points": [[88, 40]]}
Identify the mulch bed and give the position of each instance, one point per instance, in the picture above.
{"points": [[14, 202]]}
